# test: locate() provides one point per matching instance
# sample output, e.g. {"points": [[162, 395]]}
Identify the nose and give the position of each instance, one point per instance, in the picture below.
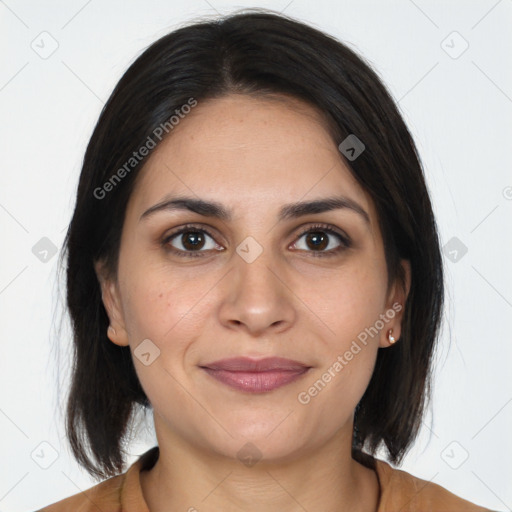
{"points": [[256, 297]]}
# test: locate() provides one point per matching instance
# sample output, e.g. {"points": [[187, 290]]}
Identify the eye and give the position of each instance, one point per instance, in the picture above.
{"points": [[320, 237], [189, 240], [319, 240]]}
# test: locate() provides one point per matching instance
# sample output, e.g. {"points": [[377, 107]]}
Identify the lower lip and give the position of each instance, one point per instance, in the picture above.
{"points": [[256, 382]]}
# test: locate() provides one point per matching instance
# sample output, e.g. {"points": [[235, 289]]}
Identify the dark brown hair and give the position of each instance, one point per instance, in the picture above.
{"points": [[254, 53]]}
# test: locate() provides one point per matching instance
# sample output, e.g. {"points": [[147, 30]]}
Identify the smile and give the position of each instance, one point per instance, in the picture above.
{"points": [[256, 382]]}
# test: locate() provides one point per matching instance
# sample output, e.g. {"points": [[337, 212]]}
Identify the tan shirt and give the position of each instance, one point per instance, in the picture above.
{"points": [[399, 492]]}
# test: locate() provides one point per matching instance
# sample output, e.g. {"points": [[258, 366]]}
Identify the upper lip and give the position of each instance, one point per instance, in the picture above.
{"points": [[246, 364]]}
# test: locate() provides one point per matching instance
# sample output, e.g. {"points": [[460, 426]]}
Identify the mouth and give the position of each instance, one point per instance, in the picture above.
{"points": [[256, 376]]}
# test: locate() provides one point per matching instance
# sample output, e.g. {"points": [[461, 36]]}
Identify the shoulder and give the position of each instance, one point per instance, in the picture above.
{"points": [[104, 496], [121, 493], [407, 493]]}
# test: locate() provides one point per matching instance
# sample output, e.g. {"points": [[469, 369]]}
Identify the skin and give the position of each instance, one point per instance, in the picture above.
{"points": [[253, 156]]}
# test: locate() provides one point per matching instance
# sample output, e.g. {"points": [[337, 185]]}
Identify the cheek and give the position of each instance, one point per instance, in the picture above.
{"points": [[337, 386], [159, 304], [167, 312], [351, 301], [347, 383], [171, 310], [350, 305]]}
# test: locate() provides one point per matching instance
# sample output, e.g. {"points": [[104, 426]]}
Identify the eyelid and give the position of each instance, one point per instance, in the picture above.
{"points": [[185, 229], [346, 242], [329, 229]]}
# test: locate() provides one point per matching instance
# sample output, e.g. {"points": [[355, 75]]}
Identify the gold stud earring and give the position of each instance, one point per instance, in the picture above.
{"points": [[391, 338]]}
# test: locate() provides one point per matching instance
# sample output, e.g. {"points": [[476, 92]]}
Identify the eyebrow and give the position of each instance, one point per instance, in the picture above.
{"points": [[289, 211]]}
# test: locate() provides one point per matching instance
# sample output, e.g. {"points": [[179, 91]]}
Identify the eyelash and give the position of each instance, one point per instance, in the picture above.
{"points": [[325, 228]]}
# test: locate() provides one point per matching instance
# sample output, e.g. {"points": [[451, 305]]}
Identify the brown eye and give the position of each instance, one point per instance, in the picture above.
{"points": [[189, 241], [317, 240], [192, 240], [321, 241]]}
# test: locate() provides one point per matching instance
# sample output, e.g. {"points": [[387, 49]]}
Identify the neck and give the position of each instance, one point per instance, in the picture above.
{"points": [[189, 478]]}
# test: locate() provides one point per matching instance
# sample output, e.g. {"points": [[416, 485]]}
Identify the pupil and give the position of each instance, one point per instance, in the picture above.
{"points": [[192, 240], [319, 240]]}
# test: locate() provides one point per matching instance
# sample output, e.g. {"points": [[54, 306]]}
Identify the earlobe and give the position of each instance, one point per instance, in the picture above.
{"points": [[116, 331], [391, 338]]}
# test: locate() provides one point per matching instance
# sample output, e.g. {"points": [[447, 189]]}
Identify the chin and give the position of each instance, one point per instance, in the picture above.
{"points": [[262, 441], [261, 450]]}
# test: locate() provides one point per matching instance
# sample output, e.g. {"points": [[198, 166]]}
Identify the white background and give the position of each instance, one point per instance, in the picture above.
{"points": [[459, 110]]}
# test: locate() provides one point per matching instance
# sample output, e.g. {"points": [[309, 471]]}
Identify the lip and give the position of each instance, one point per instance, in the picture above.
{"points": [[256, 375], [247, 364]]}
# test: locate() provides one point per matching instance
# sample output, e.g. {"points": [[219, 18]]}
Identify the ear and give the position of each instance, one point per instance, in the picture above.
{"points": [[110, 296], [395, 305]]}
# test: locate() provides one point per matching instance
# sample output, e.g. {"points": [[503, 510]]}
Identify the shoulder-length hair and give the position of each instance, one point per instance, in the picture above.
{"points": [[253, 53]]}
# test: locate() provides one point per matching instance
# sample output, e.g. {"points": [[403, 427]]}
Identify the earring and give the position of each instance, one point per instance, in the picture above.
{"points": [[110, 328], [391, 338]]}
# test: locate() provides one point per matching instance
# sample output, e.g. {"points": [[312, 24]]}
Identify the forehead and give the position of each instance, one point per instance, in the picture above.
{"points": [[245, 151]]}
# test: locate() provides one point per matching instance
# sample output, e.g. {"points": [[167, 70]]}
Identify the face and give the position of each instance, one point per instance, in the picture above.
{"points": [[266, 279]]}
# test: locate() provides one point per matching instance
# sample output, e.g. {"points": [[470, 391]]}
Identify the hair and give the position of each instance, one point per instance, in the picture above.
{"points": [[256, 53]]}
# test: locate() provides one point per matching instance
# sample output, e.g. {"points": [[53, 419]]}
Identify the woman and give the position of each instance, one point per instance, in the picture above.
{"points": [[253, 256]]}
